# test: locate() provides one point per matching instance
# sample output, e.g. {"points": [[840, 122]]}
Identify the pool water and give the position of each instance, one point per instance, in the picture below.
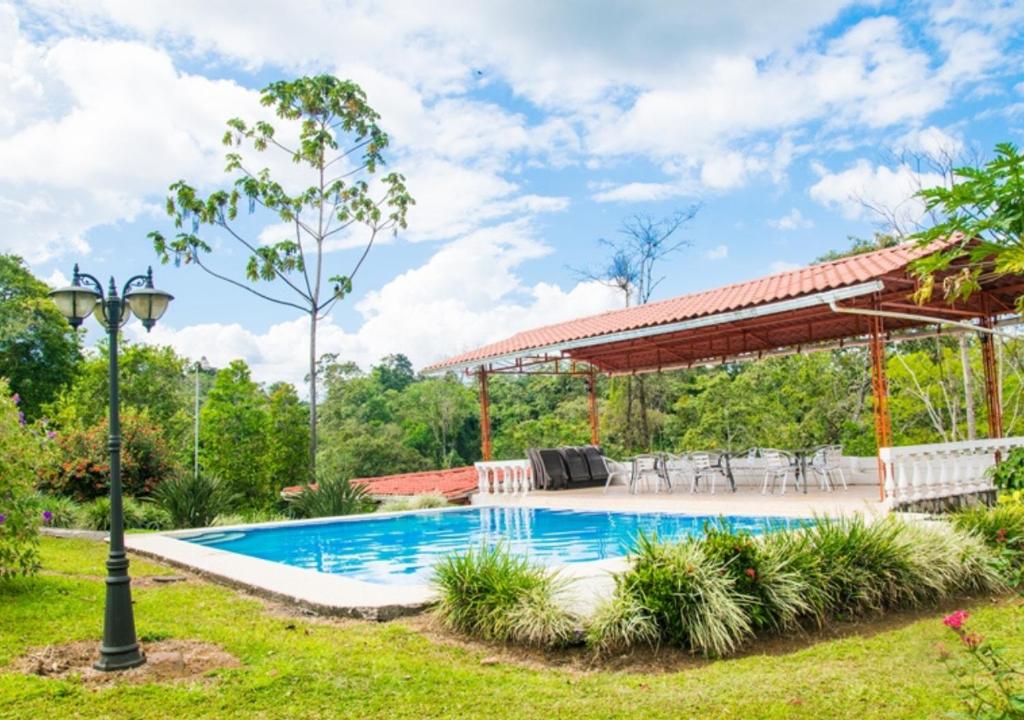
{"points": [[402, 549]]}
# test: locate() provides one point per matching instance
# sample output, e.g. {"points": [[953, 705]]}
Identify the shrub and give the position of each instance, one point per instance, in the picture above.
{"points": [[694, 603], [96, 514], [622, 622], [1009, 474], [419, 502], [24, 451], [492, 594], [991, 688], [154, 517], [250, 516], [1002, 529], [329, 498], [193, 501], [63, 511], [83, 471], [772, 588]]}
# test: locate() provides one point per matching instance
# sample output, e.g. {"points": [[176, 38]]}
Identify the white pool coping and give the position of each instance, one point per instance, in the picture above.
{"points": [[335, 594]]}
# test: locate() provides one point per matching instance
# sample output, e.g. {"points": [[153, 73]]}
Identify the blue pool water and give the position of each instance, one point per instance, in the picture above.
{"points": [[402, 549]]}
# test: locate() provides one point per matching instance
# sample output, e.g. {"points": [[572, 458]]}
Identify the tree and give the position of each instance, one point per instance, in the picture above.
{"points": [[434, 413], [632, 269], [984, 208], [154, 381], [39, 352], [341, 145], [287, 460], [233, 437], [394, 372]]}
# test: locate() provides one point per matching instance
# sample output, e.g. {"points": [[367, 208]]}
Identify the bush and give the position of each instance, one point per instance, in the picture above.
{"points": [[492, 594], [192, 501], [1002, 529], [249, 517], [24, 451], [96, 514], [771, 584], [694, 603], [63, 512], [419, 502], [710, 594], [83, 471], [329, 498], [1009, 474]]}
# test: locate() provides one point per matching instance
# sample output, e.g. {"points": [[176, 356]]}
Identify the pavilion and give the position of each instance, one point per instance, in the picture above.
{"points": [[856, 301]]}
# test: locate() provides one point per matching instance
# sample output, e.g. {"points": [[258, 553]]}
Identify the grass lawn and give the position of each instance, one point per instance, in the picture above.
{"points": [[307, 668]]}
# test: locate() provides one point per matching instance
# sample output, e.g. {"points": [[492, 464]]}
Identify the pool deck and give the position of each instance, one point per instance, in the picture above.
{"points": [[861, 499], [333, 594]]}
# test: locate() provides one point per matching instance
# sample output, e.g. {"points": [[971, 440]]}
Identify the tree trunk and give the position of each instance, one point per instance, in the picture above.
{"points": [[965, 363], [312, 397], [645, 428]]}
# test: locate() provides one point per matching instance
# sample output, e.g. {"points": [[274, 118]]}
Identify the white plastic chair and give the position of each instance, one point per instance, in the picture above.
{"points": [[645, 469], [827, 463], [777, 465], [618, 471], [677, 469], [705, 466]]}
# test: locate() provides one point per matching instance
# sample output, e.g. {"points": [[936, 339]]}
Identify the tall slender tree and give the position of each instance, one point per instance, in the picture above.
{"points": [[341, 146]]}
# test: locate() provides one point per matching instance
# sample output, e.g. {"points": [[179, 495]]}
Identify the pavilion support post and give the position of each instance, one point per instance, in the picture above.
{"points": [[595, 430], [880, 390], [993, 400], [485, 416]]}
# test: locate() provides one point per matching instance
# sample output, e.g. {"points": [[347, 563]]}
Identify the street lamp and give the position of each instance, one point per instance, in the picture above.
{"points": [[201, 365], [120, 648]]}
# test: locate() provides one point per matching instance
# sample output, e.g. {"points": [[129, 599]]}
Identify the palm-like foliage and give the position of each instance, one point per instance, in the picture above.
{"points": [[194, 500], [330, 498]]}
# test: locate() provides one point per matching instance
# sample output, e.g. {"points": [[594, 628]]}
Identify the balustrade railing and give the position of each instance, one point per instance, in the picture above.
{"points": [[504, 477], [924, 472]]}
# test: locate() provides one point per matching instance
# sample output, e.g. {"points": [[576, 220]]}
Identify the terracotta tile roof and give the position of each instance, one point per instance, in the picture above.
{"points": [[453, 483], [808, 280]]}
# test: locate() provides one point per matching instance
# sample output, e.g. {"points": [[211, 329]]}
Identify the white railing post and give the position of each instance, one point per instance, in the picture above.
{"points": [[919, 472], [504, 477]]}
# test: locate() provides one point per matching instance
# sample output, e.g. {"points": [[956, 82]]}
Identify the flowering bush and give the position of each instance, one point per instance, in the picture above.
{"points": [[990, 687], [24, 451], [83, 471]]}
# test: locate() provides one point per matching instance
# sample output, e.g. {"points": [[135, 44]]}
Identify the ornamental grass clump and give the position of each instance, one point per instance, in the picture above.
{"points": [[492, 594], [193, 501], [329, 498], [685, 590], [770, 583]]}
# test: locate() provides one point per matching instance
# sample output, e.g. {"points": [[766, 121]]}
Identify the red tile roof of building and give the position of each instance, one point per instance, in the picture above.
{"points": [[453, 483], [812, 279]]}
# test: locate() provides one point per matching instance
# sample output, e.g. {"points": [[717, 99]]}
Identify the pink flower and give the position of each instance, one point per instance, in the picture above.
{"points": [[751, 573], [1001, 535], [971, 640], [955, 621], [16, 398]]}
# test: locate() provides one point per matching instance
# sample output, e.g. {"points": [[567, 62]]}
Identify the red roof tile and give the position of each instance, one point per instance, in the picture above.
{"points": [[453, 483], [808, 280]]}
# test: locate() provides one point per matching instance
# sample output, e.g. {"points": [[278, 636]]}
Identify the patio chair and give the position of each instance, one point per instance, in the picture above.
{"points": [[555, 473], [777, 465], [647, 468], [576, 465], [677, 469], [595, 463], [618, 471], [706, 466], [827, 464]]}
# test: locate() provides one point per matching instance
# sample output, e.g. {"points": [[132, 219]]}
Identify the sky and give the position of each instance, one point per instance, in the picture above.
{"points": [[527, 131]]}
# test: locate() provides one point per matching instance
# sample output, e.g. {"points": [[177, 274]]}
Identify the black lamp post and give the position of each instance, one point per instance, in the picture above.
{"points": [[120, 648]]}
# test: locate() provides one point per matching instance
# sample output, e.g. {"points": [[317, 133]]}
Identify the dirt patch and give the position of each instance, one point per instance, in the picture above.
{"points": [[166, 661]]}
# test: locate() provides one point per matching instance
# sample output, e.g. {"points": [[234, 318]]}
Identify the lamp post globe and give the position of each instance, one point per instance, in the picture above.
{"points": [[120, 648]]}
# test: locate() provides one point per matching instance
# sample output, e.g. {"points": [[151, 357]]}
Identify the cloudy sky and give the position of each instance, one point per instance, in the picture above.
{"points": [[527, 131]]}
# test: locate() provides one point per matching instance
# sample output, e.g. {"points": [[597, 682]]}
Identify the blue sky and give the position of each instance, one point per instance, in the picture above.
{"points": [[527, 131]]}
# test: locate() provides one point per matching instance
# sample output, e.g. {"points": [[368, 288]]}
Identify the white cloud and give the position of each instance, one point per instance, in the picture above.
{"points": [[930, 142], [642, 192], [470, 290], [57, 279], [719, 252], [780, 266], [864, 190], [793, 220]]}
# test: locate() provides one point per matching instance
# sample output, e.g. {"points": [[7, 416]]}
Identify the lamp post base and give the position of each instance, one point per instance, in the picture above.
{"points": [[122, 658]]}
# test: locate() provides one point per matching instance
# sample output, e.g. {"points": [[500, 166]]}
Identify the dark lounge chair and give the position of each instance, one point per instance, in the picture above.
{"points": [[556, 477], [596, 464], [576, 464]]}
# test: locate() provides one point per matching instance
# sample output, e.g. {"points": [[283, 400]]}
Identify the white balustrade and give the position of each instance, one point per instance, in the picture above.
{"points": [[923, 472], [504, 477]]}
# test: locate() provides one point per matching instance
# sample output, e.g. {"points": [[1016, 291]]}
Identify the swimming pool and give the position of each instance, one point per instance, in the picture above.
{"points": [[402, 549]]}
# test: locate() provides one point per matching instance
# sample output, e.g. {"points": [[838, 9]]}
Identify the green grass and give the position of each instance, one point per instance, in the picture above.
{"points": [[298, 668]]}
